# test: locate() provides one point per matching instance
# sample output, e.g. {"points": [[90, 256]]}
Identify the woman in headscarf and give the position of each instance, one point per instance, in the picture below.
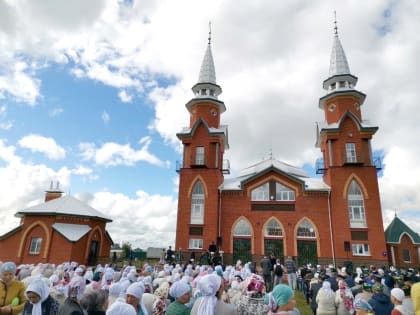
{"points": [[362, 307], [71, 304], [134, 296], [12, 291], [181, 292], [326, 300], [281, 301], [211, 288], [39, 300], [121, 308], [95, 302], [344, 299]]}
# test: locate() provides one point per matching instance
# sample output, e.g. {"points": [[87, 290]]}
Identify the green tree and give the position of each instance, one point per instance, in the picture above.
{"points": [[126, 247]]}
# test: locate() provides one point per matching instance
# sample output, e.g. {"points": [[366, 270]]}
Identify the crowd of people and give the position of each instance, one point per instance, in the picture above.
{"points": [[205, 289]]}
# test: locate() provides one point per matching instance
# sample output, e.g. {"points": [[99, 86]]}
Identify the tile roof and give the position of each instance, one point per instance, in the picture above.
{"points": [[396, 229], [67, 205]]}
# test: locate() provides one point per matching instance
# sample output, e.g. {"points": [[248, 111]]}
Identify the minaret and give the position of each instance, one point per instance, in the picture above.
{"points": [[348, 167], [206, 91], [202, 169], [341, 95]]}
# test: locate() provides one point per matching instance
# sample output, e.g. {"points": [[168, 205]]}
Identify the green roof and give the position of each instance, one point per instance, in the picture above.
{"points": [[396, 229]]}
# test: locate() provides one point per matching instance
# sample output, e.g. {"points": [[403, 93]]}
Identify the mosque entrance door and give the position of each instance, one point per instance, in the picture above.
{"points": [[241, 250], [93, 253], [307, 253], [274, 246]]}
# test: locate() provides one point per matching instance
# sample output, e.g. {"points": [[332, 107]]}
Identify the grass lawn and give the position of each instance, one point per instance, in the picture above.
{"points": [[301, 305]]}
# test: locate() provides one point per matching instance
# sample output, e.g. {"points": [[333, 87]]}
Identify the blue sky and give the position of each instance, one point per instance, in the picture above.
{"points": [[93, 93]]}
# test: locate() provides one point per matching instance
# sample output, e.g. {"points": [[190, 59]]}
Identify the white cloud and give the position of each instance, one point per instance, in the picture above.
{"points": [[81, 170], [55, 112], [105, 117], [153, 215], [45, 145], [113, 154], [270, 67], [125, 97]]}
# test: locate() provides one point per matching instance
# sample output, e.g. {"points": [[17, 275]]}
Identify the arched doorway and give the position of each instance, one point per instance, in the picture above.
{"points": [[306, 244], [242, 241], [273, 239]]}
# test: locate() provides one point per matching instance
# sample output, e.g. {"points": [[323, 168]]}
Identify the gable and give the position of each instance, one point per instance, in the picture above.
{"points": [[397, 229], [72, 232]]}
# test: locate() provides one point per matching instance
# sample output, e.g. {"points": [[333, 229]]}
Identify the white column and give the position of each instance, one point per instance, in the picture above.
{"points": [[393, 256]]}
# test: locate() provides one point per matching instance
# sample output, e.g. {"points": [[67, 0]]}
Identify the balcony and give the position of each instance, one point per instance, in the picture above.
{"points": [[180, 165], [320, 166]]}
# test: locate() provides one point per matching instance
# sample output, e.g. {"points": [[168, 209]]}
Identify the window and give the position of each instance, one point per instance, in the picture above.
{"points": [[284, 193], [242, 228], [351, 153], [195, 243], [356, 206], [197, 204], [261, 193], [199, 156], [342, 84], [273, 228], [35, 247], [306, 229], [406, 255], [278, 192], [360, 249]]}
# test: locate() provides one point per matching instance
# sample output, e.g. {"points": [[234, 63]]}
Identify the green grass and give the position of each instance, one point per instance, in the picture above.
{"points": [[301, 305]]}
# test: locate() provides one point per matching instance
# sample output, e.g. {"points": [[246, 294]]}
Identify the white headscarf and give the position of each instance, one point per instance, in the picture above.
{"points": [[120, 308], [136, 289], [208, 285], [326, 286], [178, 289], [40, 288]]}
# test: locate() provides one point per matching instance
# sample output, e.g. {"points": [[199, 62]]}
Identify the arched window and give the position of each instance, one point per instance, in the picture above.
{"points": [[278, 192], [356, 206], [197, 204], [273, 229], [306, 229], [261, 193], [284, 193], [242, 228]]}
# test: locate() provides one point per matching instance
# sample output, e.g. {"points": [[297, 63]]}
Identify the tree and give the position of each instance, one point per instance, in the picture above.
{"points": [[126, 247]]}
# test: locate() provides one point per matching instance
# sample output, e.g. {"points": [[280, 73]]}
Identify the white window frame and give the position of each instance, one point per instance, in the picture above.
{"points": [[197, 204], [351, 152], [360, 249], [261, 193], [195, 243], [273, 229], [242, 228], [284, 193], [35, 247], [307, 229], [356, 206], [199, 155]]}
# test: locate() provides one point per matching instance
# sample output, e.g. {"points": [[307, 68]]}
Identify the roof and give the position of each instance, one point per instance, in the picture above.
{"points": [[295, 172], [66, 205], [396, 229], [72, 232], [223, 129], [207, 70], [338, 60]]}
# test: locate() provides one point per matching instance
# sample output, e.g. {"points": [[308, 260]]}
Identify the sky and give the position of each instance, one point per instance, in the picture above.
{"points": [[92, 94]]}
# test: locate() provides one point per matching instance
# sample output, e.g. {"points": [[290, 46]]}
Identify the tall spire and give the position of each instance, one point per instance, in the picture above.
{"points": [[338, 60], [207, 70]]}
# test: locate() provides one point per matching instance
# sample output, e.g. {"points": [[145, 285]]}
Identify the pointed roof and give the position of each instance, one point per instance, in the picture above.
{"points": [[207, 70], [396, 229], [338, 60], [67, 205], [258, 169]]}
